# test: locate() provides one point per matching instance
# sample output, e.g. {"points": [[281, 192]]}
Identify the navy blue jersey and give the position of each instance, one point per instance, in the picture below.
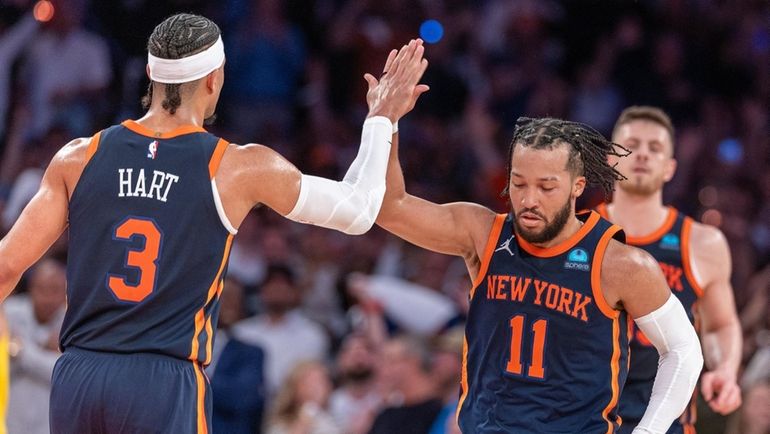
{"points": [[147, 246], [669, 245], [544, 353]]}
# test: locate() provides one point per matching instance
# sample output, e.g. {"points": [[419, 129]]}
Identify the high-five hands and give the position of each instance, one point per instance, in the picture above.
{"points": [[397, 90]]}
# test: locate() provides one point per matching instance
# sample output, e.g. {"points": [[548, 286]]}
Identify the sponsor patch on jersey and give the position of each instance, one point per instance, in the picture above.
{"points": [[152, 150], [577, 260], [670, 242]]}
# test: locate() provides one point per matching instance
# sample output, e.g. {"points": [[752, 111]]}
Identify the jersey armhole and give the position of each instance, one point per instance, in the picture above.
{"points": [[494, 234], [93, 146], [686, 259], [596, 273], [214, 161]]}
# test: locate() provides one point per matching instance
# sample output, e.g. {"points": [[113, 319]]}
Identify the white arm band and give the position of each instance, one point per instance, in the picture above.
{"points": [[680, 364], [350, 205]]}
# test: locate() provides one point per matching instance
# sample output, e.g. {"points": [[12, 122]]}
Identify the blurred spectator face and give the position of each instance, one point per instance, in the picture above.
{"points": [[397, 366], [314, 385], [231, 310], [355, 361], [47, 289], [650, 164], [278, 294]]}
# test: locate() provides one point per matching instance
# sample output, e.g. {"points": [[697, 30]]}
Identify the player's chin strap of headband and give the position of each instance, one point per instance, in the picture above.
{"points": [[681, 360], [190, 68]]}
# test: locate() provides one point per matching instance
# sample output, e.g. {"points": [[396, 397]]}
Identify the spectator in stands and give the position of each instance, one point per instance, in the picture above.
{"points": [[356, 401]]}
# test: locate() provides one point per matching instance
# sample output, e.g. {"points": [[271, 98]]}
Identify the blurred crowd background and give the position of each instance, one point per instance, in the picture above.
{"points": [[324, 333]]}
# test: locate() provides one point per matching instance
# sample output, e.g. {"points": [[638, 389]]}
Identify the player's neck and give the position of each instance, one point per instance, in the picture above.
{"points": [[639, 215], [159, 120]]}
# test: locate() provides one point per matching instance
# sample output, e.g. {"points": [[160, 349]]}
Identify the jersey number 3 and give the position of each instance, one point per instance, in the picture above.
{"points": [[144, 258], [535, 369]]}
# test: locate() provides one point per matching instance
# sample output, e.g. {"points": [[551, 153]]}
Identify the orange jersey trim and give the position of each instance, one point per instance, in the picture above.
{"points": [[93, 146], [602, 210], [494, 234], [657, 234], [141, 129], [216, 157], [596, 274], [686, 264], [200, 320], [200, 404], [548, 252], [615, 371], [463, 380]]}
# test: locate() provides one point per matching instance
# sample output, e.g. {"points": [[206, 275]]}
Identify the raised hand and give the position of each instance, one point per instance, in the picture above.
{"points": [[396, 93]]}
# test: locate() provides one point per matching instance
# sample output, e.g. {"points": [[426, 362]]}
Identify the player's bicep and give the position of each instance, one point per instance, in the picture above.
{"points": [[453, 228], [40, 224], [717, 304]]}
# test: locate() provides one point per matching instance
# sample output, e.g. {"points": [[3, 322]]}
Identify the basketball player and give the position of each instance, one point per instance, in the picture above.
{"points": [[152, 207], [546, 343], [694, 258], [5, 381]]}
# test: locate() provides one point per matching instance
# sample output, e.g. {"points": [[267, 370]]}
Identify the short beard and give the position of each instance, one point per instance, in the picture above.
{"points": [[637, 188], [551, 230]]}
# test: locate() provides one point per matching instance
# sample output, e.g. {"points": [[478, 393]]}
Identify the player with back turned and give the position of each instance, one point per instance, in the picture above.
{"points": [[151, 207]]}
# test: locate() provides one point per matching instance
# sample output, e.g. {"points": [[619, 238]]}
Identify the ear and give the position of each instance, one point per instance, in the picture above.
{"points": [[147, 70], [669, 170], [578, 186], [210, 81]]}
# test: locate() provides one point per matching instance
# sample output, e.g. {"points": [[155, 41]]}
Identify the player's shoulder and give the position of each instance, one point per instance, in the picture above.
{"points": [[622, 261], [706, 237]]}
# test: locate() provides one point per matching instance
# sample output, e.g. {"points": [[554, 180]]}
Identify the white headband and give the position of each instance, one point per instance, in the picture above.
{"points": [[188, 68]]}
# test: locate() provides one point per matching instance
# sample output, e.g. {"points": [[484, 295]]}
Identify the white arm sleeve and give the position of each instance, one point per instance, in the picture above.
{"points": [[350, 205], [680, 364]]}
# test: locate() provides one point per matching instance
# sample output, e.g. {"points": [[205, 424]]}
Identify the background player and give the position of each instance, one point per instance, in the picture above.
{"points": [[152, 206], [694, 257], [546, 343]]}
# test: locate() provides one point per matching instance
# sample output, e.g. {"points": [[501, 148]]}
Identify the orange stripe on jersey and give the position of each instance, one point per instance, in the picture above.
{"points": [[657, 234], [629, 338], [141, 129], [463, 379], [494, 234], [209, 340], [93, 146], [199, 316], [562, 247], [200, 404], [216, 157], [596, 273], [615, 370], [686, 264], [602, 210]]}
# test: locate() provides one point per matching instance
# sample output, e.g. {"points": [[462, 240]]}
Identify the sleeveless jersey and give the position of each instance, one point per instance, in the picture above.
{"points": [[669, 245], [544, 353], [148, 245]]}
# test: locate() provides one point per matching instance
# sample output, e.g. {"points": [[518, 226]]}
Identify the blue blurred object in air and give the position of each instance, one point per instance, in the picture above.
{"points": [[431, 31], [730, 151]]}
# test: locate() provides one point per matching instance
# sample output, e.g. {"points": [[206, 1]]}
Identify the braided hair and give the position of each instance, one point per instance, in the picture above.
{"points": [[588, 149], [179, 36]]}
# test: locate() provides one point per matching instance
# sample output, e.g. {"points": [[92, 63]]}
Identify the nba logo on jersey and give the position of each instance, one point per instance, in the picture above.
{"points": [[152, 150], [670, 242], [577, 260]]}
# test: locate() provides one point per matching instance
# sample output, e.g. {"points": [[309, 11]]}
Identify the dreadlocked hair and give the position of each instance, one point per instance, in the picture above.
{"points": [[588, 149], [179, 36]]}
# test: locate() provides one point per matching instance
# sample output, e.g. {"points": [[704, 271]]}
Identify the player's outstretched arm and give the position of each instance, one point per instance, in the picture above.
{"points": [[259, 175], [720, 327], [459, 228], [631, 278], [44, 218]]}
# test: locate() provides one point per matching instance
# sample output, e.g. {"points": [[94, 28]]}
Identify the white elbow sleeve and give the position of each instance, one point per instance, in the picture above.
{"points": [[350, 205], [680, 364]]}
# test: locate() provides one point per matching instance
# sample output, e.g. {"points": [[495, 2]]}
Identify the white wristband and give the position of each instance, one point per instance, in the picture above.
{"points": [[395, 127]]}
